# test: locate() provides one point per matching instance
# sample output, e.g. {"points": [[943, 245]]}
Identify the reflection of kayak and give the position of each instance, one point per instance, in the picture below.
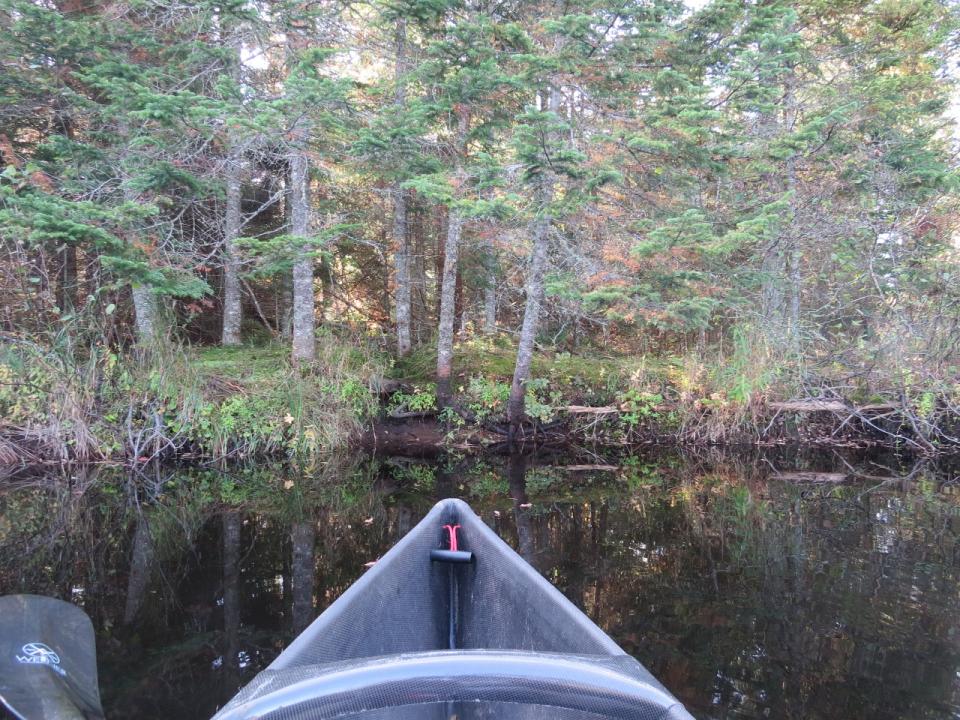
{"points": [[451, 623]]}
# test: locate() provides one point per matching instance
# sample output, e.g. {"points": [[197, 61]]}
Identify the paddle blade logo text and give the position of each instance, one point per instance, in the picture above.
{"points": [[36, 653]]}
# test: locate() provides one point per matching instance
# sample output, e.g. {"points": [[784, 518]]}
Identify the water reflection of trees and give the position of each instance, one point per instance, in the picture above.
{"points": [[747, 595]]}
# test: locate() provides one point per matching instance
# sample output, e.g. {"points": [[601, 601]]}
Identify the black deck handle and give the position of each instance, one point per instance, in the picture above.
{"points": [[451, 556]]}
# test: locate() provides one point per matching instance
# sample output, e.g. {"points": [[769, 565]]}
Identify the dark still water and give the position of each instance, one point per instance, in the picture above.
{"points": [[753, 586]]}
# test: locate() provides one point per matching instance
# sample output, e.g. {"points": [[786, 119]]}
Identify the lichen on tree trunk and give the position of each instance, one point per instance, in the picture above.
{"points": [[399, 195], [304, 302], [402, 261], [448, 285], [146, 312], [232, 297]]}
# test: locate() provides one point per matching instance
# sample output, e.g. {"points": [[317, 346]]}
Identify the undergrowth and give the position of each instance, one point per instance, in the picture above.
{"points": [[59, 404]]}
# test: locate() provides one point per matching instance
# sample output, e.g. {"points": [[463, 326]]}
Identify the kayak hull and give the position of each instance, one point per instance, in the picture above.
{"points": [[414, 632]]}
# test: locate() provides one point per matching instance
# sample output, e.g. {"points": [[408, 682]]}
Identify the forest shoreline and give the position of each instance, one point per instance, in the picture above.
{"points": [[220, 404], [254, 232]]}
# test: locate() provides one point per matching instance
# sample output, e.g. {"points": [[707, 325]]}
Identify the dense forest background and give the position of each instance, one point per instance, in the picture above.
{"points": [[223, 223]]}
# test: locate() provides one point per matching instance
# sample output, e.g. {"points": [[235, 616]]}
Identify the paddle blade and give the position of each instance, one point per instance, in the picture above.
{"points": [[48, 660]]}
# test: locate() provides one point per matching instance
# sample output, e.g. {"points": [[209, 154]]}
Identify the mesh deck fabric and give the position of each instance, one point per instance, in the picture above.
{"points": [[400, 606]]}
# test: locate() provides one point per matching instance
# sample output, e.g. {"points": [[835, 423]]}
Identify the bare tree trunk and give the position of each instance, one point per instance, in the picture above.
{"points": [[780, 266], [448, 286], [232, 296], [285, 280], [145, 303], [402, 261], [146, 313], [304, 301], [441, 220], [417, 263], [448, 299], [792, 246], [531, 320], [67, 286], [772, 265], [400, 237], [490, 292], [540, 231]]}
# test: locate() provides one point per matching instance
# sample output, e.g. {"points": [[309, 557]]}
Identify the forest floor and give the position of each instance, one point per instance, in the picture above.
{"points": [[246, 402]]}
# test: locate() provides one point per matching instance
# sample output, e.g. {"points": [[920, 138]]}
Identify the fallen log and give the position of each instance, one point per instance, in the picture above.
{"points": [[585, 468], [409, 415], [810, 406], [587, 410], [879, 407], [812, 477]]}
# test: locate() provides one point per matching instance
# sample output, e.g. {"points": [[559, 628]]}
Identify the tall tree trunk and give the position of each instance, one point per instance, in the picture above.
{"points": [[540, 232], [304, 301], [67, 286], [448, 286], [490, 291], [441, 220], [780, 265], [792, 244], [400, 235], [772, 264], [402, 261], [232, 295], [772, 309], [531, 320], [285, 280], [145, 302], [417, 264], [448, 292]]}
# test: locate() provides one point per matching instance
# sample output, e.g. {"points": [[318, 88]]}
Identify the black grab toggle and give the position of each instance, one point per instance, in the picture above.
{"points": [[451, 556]]}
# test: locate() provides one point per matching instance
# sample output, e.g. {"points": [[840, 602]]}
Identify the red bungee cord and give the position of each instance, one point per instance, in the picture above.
{"points": [[452, 534]]}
